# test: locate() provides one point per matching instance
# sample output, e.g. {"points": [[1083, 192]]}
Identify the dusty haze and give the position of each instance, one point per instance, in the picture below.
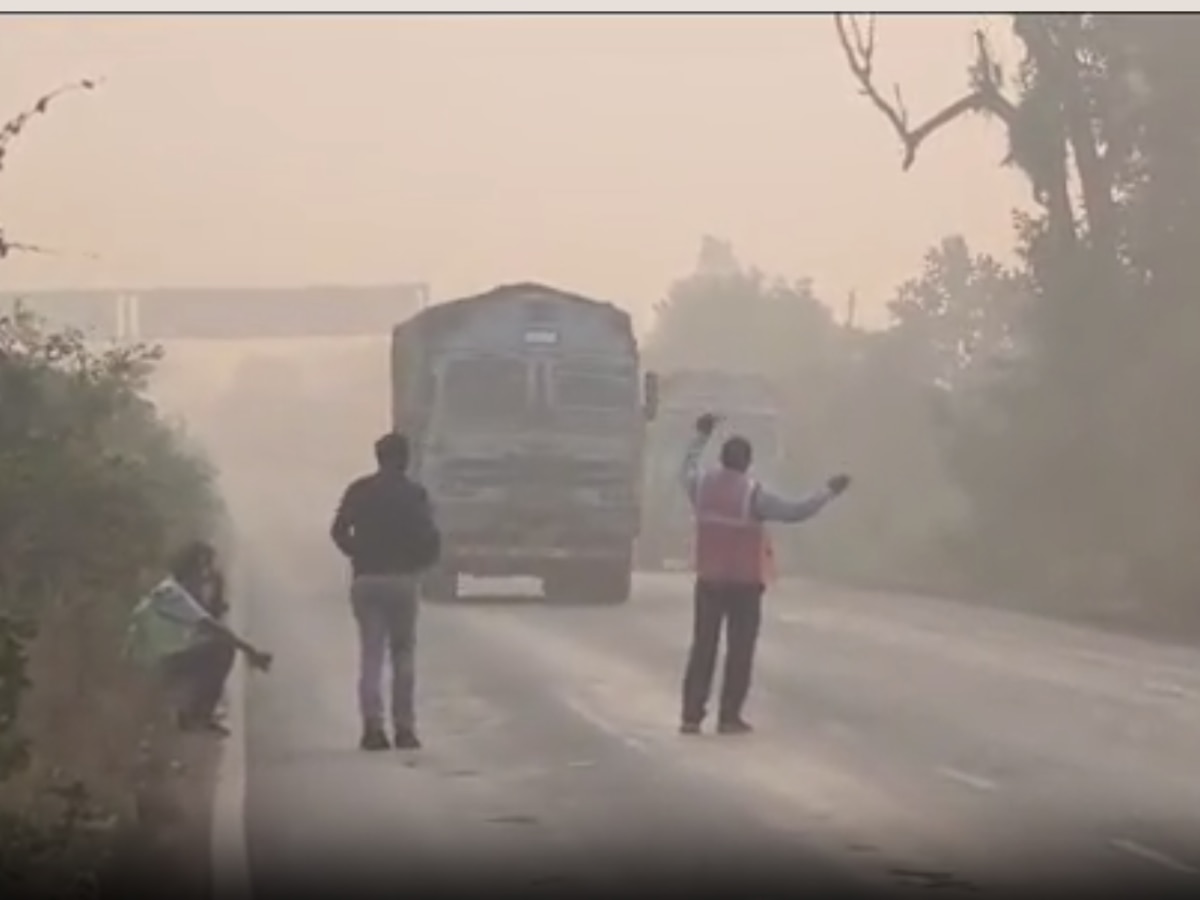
{"points": [[588, 152]]}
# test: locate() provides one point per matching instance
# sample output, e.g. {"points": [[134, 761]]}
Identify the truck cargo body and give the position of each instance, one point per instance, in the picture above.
{"points": [[525, 409]]}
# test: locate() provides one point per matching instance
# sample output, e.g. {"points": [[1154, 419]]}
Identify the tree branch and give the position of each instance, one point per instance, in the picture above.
{"points": [[859, 47], [13, 128]]}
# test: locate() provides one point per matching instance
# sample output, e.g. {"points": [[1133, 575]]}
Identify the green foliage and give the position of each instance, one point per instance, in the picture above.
{"points": [[94, 487], [95, 490], [727, 317], [92, 479]]}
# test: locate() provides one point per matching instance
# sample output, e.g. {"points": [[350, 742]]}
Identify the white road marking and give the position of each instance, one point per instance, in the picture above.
{"points": [[1133, 848], [229, 854], [975, 781], [613, 730], [1167, 688]]}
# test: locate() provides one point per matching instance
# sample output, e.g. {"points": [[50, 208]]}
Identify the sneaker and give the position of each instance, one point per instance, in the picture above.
{"points": [[374, 738], [215, 727], [734, 726], [406, 739], [202, 725], [689, 728]]}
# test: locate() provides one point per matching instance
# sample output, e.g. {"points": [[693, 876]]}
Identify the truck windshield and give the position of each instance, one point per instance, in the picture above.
{"points": [[486, 389], [594, 389]]}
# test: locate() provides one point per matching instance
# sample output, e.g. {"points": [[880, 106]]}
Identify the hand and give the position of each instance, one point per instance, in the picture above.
{"points": [[260, 660], [838, 483], [707, 423]]}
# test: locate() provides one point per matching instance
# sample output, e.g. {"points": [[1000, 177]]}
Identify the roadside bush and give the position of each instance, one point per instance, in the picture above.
{"points": [[95, 488]]}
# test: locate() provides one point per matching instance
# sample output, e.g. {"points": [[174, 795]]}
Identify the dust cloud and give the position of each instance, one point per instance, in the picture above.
{"points": [[286, 423]]}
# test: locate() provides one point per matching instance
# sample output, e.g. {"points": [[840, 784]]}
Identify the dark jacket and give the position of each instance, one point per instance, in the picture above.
{"points": [[384, 525]]}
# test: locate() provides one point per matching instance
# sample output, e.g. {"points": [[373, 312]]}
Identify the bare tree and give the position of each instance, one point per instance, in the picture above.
{"points": [[986, 96], [1049, 129]]}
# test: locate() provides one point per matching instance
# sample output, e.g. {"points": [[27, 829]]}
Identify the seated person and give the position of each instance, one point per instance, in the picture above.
{"points": [[185, 642]]}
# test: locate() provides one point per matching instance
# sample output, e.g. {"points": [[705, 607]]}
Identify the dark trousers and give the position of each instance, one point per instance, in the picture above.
{"points": [[198, 675], [385, 608], [736, 609]]}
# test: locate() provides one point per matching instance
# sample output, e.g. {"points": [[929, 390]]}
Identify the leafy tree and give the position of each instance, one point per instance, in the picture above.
{"points": [[725, 316], [1075, 459], [958, 320]]}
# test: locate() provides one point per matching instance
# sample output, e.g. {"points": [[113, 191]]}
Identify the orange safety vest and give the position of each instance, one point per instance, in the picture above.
{"points": [[731, 544]]}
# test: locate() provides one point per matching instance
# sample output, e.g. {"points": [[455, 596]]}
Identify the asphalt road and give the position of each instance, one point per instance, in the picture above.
{"points": [[902, 744]]}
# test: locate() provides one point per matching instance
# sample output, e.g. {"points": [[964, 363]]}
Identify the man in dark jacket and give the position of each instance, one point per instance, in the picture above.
{"points": [[384, 526]]}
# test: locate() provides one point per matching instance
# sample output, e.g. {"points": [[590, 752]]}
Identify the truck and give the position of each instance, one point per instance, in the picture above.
{"points": [[526, 409], [748, 404]]}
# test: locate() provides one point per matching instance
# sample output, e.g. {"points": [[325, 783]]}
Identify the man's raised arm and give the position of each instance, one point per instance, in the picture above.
{"points": [[689, 473]]}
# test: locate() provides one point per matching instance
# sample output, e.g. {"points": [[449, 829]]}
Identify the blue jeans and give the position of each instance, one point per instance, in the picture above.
{"points": [[385, 608]]}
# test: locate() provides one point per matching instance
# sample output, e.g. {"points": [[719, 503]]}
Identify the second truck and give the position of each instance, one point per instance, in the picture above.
{"points": [[527, 408], [749, 406]]}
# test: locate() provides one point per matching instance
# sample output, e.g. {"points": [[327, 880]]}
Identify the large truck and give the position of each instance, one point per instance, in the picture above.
{"points": [[526, 408], [748, 404]]}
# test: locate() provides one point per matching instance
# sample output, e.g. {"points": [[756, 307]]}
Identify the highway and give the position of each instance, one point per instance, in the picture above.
{"points": [[903, 745]]}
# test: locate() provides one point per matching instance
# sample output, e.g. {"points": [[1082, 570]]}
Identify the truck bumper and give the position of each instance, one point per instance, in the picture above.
{"points": [[516, 541]]}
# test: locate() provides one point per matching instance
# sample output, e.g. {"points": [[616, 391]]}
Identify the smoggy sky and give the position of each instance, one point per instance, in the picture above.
{"points": [[592, 153]]}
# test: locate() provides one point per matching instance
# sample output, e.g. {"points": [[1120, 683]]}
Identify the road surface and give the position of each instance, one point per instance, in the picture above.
{"points": [[903, 745]]}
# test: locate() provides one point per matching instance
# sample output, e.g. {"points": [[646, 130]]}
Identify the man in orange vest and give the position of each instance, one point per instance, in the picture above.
{"points": [[733, 561]]}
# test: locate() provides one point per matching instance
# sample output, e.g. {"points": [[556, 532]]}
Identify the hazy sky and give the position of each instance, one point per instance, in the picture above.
{"points": [[589, 152]]}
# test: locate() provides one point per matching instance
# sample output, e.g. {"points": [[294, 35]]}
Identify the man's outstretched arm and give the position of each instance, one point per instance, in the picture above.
{"points": [[771, 507], [689, 474]]}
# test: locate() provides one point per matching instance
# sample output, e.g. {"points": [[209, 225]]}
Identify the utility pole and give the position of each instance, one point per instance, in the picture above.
{"points": [[128, 320], [851, 310]]}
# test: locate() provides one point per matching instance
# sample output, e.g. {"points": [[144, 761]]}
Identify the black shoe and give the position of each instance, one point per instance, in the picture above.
{"points": [[406, 739], [689, 728], [734, 726], [374, 738]]}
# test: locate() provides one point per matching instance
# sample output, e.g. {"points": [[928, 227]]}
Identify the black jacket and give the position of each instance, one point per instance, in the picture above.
{"points": [[384, 525]]}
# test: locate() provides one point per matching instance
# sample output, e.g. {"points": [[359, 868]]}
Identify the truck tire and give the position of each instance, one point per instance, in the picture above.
{"points": [[610, 585], [440, 586], [558, 586], [592, 584], [604, 584]]}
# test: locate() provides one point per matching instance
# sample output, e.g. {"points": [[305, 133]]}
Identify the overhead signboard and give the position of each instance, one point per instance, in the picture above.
{"points": [[230, 313], [93, 312]]}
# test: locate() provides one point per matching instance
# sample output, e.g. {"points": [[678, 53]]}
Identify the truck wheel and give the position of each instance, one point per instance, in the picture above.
{"points": [[559, 586], [609, 584], [440, 586]]}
